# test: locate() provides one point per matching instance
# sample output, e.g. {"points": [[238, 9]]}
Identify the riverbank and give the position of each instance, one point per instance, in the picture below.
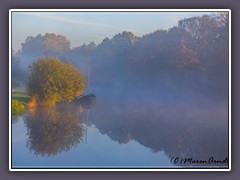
{"points": [[20, 98], [20, 95]]}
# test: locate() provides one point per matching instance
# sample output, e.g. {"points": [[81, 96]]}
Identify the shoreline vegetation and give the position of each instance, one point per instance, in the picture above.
{"points": [[20, 98], [51, 82], [22, 102]]}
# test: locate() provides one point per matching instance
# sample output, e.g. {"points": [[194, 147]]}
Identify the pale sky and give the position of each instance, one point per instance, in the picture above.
{"points": [[85, 27]]}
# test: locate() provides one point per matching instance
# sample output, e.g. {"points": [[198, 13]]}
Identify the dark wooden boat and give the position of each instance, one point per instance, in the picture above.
{"points": [[86, 101]]}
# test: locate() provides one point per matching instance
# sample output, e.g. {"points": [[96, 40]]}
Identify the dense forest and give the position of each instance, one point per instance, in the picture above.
{"points": [[188, 60]]}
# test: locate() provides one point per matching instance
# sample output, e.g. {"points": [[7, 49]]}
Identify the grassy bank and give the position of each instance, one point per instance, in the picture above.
{"points": [[19, 102], [20, 95]]}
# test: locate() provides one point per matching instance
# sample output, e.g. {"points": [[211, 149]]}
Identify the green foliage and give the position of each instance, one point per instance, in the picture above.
{"points": [[18, 108], [53, 81]]}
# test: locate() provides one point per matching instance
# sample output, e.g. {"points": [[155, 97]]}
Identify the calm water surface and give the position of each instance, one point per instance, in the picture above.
{"points": [[128, 133]]}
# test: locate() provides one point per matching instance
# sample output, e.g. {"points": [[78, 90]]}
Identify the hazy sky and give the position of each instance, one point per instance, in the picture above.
{"points": [[84, 27]]}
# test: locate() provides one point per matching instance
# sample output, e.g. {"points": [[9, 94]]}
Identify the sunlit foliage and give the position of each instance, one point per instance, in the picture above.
{"points": [[18, 107], [53, 81]]}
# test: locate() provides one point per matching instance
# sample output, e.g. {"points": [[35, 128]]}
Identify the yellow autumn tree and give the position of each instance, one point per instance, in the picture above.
{"points": [[52, 81]]}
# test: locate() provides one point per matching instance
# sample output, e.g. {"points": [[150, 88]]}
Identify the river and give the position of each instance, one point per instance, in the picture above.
{"points": [[122, 133]]}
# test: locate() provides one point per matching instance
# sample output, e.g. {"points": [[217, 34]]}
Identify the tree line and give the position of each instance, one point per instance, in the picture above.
{"points": [[194, 54]]}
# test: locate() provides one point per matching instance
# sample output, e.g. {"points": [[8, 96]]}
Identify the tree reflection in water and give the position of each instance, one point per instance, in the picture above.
{"points": [[54, 129], [179, 131]]}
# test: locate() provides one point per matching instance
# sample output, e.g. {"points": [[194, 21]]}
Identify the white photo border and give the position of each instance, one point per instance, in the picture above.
{"points": [[118, 169]]}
